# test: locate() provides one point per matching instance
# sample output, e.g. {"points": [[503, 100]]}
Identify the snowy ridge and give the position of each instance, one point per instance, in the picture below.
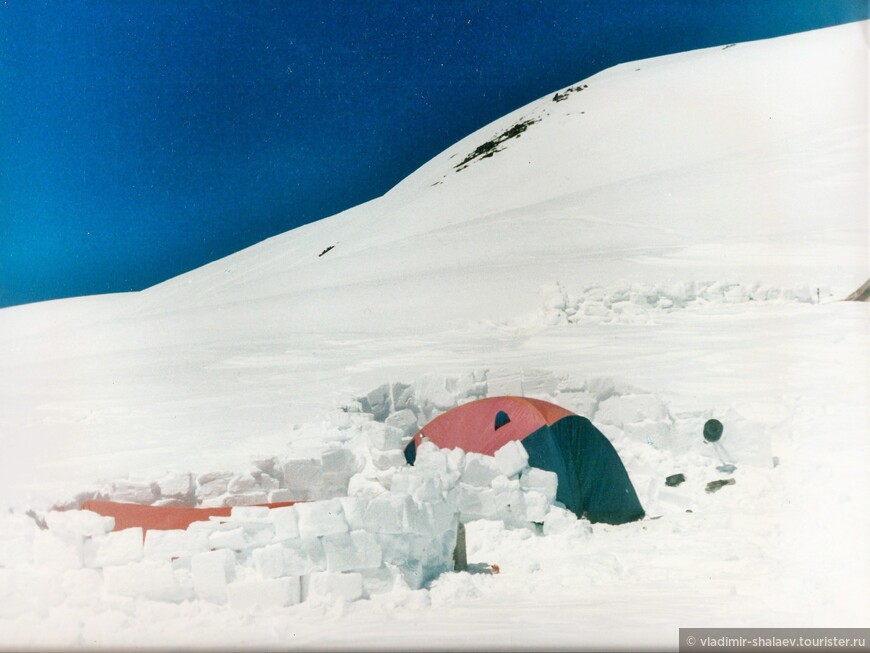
{"points": [[602, 171]]}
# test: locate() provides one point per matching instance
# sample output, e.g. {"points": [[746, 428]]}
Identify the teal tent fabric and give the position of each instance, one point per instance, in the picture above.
{"points": [[593, 482]]}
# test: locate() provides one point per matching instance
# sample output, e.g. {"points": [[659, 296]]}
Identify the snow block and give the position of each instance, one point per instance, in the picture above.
{"points": [[385, 437], [173, 503], [250, 513], [211, 477], [405, 421], [321, 518], [79, 522], [328, 585], [335, 484], [354, 511], [479, 470], [385, 477], [176, 486], [284, 521], [119, 548], [438, 398], [268, 465], [508, 499], [211, 571], [214, 502], [406, 480], [57, 551], [476, 502], [277, 496], [267, 482], [269, 561], [234, 539], [431, 459], [211, 490], [441, 516], [165, 545], [246, 499], [268, 593], [211, 526], [388, 513], [304, 478], [417, 518], [339, 461], [353, 551], [540, 481], [512, 458], [378, 402], [401, 395], [471, 385], [502, 483], [393, 458], [396, 547], [463, 496], [303, 556], [149, 578], [258, 533], [535, 507], [428, 490], [455, 460], [133, 492], [243, 483], [365, 488]]}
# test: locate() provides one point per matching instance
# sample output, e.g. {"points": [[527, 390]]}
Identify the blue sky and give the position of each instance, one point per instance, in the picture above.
{"points": [[142, 139]]}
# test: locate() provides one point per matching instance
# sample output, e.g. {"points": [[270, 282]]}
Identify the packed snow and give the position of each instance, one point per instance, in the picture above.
{"points": [[665, 243]]}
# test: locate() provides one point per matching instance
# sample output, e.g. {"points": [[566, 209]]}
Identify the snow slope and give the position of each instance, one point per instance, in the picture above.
{"points": [[682, 225]]}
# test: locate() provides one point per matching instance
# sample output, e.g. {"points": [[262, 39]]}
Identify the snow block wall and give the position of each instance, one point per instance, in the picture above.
{"points": [[632, 418], [300, 476], [653, 437], [641, 303], [408, 406], [618, 408], [395, 528], [367, 522]]}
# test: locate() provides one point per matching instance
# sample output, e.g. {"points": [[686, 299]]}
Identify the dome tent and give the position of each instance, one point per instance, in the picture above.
{"points": [[593, 481]]}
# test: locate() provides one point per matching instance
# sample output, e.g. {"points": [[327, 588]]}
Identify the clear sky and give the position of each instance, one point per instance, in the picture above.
{"points": [[142, 139]]}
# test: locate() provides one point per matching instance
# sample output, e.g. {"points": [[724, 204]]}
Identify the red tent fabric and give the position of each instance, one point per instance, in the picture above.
{"points": [[478, 418], [131, 515]]}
